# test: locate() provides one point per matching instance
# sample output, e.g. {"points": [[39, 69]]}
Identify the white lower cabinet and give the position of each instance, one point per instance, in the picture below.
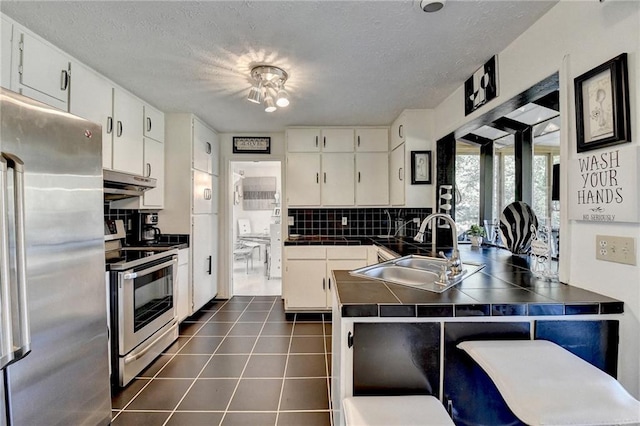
{"points": [[183, 307], [308, 281]]}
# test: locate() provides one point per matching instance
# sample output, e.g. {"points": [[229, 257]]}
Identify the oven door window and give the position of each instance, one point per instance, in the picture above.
{"points": [[152, 296]]}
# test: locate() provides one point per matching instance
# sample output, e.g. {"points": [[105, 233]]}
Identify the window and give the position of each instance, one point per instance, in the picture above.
{"points": [[467, 187]]}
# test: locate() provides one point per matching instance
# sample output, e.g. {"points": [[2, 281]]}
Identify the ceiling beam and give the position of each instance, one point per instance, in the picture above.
{"points": [[470, 137], [509, 125], [537, 91], [551, 101]]}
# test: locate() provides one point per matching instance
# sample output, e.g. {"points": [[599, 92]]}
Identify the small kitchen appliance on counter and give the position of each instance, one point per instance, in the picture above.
{"points": [[145, 229], [142, 298]]}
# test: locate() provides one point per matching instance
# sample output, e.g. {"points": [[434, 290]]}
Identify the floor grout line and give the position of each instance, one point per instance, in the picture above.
{"points": [[271, 340], [206, 363], [247, 361]]}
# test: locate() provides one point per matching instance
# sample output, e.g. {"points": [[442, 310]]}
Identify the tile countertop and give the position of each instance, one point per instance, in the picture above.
{"points": [[505, 287]]}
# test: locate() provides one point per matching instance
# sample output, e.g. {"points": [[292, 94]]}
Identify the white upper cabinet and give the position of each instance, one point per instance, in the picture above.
{"points": [[154, 167], [303, 140], [337, 140], [215, 154], [43, 71], [303, 179], [398, 131], [337, 179], [153, 123], [6, 36], [203, 141], [128, 143], [372, 140], [202, 192], [397, 176], [372, 179], [316, 140], [91, 97]]}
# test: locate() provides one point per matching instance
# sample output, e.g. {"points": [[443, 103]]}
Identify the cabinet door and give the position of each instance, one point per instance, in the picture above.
{"points": [[91, 97], [202, 147], [45, 70], [372, 179], [303, 179], [337, 179], [398, 131], [372, 140], [332, 265], [154, 167], [305, 284], [204, 283], [396, 176], [6, 37], [128, 143], [303, 140], [202, 192], [337, 140], [153, 123]]}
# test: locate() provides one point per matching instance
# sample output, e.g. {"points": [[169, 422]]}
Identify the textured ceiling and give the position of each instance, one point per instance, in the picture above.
{"points": [[350, 62]]}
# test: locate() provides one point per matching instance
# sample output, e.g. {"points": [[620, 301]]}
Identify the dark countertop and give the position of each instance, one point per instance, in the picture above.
{"points": [[505, 287]]}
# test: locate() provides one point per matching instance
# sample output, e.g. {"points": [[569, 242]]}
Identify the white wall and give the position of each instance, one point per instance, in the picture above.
{"points": [[572, 38]]}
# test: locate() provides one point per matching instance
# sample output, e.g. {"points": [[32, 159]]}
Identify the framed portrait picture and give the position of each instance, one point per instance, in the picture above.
{"points": [[420, 167], [602, 105]]}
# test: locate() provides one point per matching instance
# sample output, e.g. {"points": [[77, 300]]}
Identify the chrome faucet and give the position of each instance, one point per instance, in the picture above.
{"points": [[454, 263]]}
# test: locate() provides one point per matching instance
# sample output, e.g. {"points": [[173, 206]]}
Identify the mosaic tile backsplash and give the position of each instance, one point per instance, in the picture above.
{"points": [[360, 222]]}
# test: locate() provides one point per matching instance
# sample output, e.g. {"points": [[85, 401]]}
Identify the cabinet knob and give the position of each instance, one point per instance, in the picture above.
{"points": [[148, 169], [148, 124], [119, 131], [401, 131], [400, 173], [109, 125]]}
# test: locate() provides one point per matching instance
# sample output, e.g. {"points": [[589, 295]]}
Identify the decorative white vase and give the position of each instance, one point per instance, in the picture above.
{"points": [[475, 241]]}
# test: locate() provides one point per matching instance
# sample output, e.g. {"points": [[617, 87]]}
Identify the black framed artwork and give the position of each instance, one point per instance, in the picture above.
{"points": [[482, 86], [602, 105], [420, 167], [251, 145]]}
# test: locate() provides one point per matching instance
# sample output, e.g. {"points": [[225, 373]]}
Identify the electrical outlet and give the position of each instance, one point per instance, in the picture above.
{"points": [[290, 221], [416, 220], [616, 249], [344, 221]]}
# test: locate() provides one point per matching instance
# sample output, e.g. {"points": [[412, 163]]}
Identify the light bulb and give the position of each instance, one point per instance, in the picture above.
{"points": [[269, 106], [282, 98]]}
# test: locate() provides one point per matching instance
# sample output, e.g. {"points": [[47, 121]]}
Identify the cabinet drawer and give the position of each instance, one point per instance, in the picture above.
{"points": [[349, 252], [316, 252]]}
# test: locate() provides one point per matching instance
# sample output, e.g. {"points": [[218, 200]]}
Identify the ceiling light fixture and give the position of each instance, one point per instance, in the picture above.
{"points": [[269, 83]]}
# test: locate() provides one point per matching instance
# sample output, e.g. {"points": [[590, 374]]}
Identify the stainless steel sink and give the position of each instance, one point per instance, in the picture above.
{"points": [[421, 272]]}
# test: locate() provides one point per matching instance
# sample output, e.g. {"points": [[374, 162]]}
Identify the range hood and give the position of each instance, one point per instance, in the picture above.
{"points": [[119, 185]]}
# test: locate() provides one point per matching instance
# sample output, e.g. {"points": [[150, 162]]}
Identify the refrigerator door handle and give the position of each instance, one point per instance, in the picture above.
{"points": [[22, 341], [6, 339]]}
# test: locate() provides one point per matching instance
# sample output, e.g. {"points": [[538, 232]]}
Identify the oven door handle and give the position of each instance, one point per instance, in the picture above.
{"points": [[137, 355], [134, 275]]}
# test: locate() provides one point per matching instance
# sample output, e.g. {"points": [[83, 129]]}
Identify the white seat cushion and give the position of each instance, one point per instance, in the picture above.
{"points": [[544, 384], [405, 410]]}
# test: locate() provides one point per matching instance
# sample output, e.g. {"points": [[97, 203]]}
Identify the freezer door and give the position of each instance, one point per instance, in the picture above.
{"points": [[64, 380]]}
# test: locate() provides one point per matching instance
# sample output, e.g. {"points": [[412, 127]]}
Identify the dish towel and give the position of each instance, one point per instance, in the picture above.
{"points": [[544, 384]]}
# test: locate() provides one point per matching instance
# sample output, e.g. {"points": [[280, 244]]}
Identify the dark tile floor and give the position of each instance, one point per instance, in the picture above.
{"points": [[236, 362]]}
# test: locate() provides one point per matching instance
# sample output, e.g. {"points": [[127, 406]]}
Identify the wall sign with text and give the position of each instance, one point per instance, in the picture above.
{"points": [[603, 186], [251, 145]]}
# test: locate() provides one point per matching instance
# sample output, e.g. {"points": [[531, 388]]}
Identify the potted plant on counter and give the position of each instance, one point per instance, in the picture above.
{"points": [[475, 233]]}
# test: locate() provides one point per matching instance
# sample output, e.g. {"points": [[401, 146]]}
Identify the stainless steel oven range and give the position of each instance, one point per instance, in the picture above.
{"points": [[141, 289]]}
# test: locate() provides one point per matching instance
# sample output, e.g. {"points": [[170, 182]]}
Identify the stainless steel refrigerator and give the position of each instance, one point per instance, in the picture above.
{"points": [[53, 319]]}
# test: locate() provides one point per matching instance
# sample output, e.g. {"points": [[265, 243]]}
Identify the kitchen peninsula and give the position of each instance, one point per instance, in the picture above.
{"points": [[391, 339]]}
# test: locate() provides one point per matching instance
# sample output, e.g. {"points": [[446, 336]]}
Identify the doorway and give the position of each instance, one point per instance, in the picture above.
{"points": [[256, 262]]}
